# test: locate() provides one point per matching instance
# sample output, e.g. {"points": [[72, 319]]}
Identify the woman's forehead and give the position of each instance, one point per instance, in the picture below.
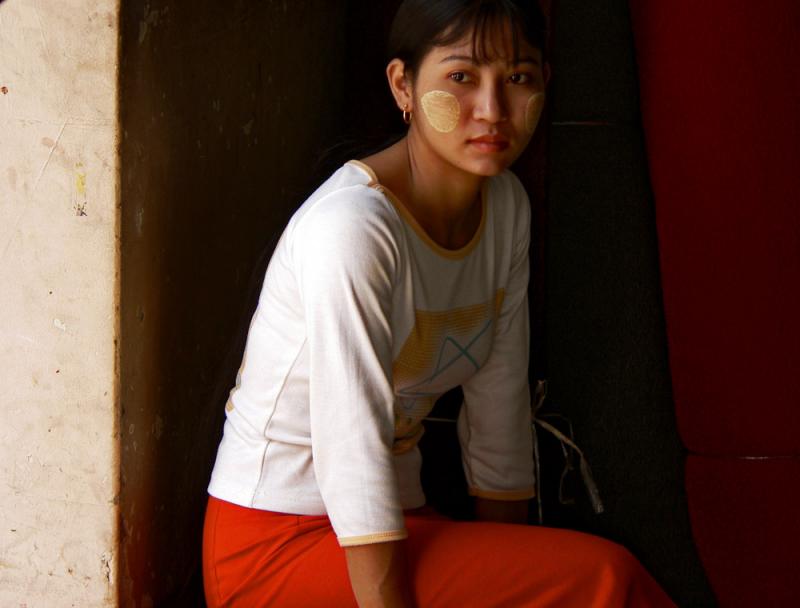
{"points": [[486, 50], [487, 45]]}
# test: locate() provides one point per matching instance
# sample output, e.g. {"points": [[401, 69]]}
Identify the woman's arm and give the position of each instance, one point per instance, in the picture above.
{"points": [[346, 262], [379, 575], [345, 258], [494, 424]]}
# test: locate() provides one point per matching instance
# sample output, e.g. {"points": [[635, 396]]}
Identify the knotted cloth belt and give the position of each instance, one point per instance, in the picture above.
{"points": [[539, 394]]}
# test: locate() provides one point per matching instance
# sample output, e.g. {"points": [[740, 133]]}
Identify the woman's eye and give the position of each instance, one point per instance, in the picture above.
{"points": [[520, 78], [458, 76]]}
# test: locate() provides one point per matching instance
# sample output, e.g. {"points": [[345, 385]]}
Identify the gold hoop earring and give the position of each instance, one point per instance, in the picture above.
{"points": [[406, 115]]}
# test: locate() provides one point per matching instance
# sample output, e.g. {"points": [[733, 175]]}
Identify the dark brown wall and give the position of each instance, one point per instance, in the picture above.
{"points": [[224, 109]]}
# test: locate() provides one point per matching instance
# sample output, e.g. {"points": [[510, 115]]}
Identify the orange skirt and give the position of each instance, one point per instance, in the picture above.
{"points": [[253, 558]]}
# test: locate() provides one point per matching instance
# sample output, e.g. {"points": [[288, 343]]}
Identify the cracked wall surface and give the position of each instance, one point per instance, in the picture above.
{"points": [[58, 286]]}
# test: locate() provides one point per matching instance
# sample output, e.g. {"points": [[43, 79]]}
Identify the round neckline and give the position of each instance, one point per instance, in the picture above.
{"points": [[411, 220]]}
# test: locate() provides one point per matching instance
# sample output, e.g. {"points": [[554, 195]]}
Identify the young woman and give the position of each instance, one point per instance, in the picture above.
{"points": [[403, 275]]}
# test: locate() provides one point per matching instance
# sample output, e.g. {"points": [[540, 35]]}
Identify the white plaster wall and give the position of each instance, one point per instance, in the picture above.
{"points": [[58, 301]]}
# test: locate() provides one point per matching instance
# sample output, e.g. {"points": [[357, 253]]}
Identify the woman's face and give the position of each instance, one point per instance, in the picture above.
{"points": [[479, 117]]}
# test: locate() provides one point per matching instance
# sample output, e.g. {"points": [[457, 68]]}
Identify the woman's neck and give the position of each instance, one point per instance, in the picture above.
{"points": [[443, 199]]}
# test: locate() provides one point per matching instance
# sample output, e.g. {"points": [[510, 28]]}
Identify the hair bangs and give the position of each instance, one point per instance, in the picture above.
{"points": [[488, 23], [495, 29]]}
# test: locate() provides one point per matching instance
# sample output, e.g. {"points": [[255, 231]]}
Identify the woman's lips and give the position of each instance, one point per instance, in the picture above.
{"points": [[489, 143]]}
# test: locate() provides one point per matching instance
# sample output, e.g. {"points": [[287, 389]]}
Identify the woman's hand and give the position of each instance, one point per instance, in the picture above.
{"points": [[379, 575]]}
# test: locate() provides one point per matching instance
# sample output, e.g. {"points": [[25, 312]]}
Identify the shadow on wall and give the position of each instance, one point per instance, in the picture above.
{"points": [[225, 108]]}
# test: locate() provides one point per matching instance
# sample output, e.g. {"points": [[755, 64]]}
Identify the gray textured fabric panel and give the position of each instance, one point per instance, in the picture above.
{"points": [[606, 338]]}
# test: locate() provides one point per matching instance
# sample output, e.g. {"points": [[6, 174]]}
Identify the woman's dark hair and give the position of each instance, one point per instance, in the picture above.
{"points": [[420, 25]]}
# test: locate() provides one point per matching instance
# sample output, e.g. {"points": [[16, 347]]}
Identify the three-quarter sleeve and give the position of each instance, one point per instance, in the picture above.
{"points": [[347, 260], [494, 424]]}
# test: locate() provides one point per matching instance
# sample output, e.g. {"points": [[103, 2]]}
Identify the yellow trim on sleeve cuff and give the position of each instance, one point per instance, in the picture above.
{"points": [[503, 495], [368, 539]]}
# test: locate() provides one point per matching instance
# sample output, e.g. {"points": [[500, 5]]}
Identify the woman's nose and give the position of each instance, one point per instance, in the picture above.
{"points": [[490, 104]]}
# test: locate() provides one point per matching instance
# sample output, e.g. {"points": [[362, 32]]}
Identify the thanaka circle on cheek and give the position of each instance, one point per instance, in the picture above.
{"points": [[533, 111], [441, 109]]}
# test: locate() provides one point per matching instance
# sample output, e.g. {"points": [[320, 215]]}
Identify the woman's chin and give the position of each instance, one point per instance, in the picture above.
{"points": [[489, 162], [488, 167]]}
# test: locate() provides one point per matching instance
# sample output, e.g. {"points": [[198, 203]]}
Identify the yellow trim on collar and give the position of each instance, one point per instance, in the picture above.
{"points": [[454, 254]]}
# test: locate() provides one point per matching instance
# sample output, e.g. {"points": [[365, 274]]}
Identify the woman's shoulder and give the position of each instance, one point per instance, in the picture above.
{"points": [[345, 213], [347, 196]]}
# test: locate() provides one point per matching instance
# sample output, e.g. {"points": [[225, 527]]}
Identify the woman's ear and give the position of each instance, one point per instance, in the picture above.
{"points": [[546, 72], [400, 84]]}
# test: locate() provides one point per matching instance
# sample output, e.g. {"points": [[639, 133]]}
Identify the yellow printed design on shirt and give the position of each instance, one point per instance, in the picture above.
{"points": [[443, 350]]}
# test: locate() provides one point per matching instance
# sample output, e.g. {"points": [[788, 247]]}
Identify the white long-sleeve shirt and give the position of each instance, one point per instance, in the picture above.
{"points": [[362, 323]]}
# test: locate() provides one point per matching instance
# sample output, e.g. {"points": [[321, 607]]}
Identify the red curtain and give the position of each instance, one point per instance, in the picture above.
{"points": [[720, 101]]}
